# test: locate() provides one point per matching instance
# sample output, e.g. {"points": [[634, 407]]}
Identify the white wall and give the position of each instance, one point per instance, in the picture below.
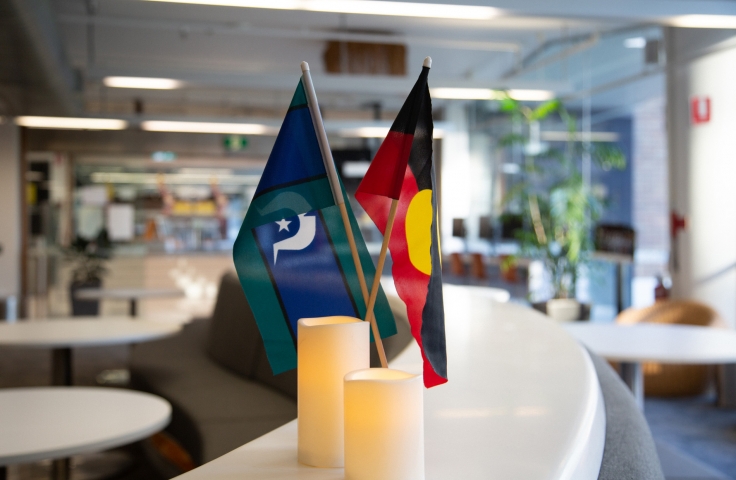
{"points": [[10, 215], [457, 175], [703, 167]]}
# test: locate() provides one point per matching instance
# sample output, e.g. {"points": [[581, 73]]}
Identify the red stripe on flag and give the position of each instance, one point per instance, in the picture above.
{"points": [[411, 284], [385, 175]]}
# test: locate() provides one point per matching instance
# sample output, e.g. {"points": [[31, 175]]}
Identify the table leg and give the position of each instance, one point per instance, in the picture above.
{"points": [[726, 385], [133, 309], [633, 377], [60, 469], [3, 472], [619, 287], [61, 367]]}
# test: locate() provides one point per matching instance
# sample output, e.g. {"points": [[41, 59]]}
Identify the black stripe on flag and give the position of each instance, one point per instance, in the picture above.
{"points": [[407, 117], [339, 265], [275, 288]]}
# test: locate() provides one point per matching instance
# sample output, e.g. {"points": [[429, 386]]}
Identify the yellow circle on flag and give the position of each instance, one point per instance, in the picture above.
{"points": [[419, 231]]}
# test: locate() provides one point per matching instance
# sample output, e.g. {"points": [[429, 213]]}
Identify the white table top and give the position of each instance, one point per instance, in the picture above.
{"points": [[657, 342], [57, 422], [83, 332], [497, 294], [126, 293], [523, 403]]}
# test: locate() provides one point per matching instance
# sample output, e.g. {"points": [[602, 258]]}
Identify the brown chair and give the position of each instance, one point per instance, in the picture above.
{"points": [[457, 264], [477, 266], [669, 380]]}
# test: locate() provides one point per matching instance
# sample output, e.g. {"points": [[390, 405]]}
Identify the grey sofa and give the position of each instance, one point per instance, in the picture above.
{"points": [[217, 378]]}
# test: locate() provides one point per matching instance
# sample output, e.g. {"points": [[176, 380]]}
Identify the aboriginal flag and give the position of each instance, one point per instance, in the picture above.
{"points": [[402, 170], [292, 253]]}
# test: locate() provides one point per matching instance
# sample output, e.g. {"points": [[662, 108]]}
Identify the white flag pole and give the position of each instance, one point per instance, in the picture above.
{"points": [[329, 162]]}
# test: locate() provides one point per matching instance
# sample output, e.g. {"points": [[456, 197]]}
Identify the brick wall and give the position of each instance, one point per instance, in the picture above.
{"points": [[650, 187]]}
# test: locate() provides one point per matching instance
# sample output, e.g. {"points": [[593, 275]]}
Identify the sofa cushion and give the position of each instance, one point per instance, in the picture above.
{"points": [[205, 396], [629, 452], [233, 337]]}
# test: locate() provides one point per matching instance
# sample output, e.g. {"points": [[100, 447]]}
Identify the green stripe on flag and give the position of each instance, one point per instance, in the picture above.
{"points": [[300, 96], [384, 316], [288, 202], [265, 304]]}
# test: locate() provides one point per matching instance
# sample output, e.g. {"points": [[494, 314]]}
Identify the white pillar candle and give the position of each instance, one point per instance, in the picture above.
{"points": [[328, 348], [384, 425]]}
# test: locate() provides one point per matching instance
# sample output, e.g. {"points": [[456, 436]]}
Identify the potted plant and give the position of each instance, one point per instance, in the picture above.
{"points": [[89, 258], [559, 209]]}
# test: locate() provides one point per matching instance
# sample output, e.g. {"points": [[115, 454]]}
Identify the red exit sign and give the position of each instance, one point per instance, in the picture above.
{"points": [[699, 109]]}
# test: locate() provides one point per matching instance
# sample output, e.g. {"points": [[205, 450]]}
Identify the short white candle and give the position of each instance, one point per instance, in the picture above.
{"points": [[384, 425], [328, 348]]}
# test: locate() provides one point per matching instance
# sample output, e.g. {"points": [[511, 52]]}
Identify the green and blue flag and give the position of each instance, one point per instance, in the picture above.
{"points": [[292, 254]]}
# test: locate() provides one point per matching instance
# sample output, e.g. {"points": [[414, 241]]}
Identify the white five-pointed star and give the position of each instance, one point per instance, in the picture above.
{"points": [[283, 225]]}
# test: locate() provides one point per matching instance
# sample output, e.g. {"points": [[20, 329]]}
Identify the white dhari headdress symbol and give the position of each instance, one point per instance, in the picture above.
{"points": [[301, 240]]}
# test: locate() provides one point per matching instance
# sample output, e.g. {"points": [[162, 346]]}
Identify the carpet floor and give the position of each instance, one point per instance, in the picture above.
{"points": [[697, 427]]}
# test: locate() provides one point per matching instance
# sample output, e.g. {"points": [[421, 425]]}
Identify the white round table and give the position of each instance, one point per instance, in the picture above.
{"points": [[58, 422], [523, 402], [633, 344], [63, 334], [130, 294]]}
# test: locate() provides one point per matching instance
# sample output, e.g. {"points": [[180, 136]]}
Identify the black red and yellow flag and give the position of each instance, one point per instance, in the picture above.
{"points": [[402, 170]]}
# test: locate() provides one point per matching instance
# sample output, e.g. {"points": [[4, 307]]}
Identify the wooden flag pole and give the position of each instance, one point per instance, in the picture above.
{"points": [[379, 271], [329, 162]]}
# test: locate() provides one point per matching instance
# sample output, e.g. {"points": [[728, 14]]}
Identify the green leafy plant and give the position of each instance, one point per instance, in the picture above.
{"points": [[558, 208], [89, 258]]}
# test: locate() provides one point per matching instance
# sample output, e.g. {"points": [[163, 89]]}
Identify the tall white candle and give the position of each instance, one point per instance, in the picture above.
{"points": [[328, 348], [384, 425]]}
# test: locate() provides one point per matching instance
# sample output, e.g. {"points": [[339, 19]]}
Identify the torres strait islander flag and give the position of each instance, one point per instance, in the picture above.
{"points": [[402, 169], [292, 254]]}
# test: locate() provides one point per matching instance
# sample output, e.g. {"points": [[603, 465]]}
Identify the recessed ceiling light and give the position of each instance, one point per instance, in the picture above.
{"points": [[464, 93], [635, 42], [208, 127], [377, 132], [70, 123], [704, 21], [366, 7], [523, 95], [142, 82], [562, 136]]}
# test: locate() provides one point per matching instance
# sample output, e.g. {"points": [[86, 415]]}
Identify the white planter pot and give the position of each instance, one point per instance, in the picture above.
{"points": [[563, 309]]}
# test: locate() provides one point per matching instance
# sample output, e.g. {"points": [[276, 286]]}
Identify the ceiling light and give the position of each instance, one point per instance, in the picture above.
{"points": [[377, 132], [142, 82], [562, 136], [208, 127], [367, 7], [204, 178], [704, 21], [69, 123], [531, 95], [635, 42], [489, 94], [464, 93]]}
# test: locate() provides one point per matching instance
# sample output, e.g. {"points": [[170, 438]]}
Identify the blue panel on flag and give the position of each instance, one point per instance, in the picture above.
{"points": [[304, 268], [295, 156]]}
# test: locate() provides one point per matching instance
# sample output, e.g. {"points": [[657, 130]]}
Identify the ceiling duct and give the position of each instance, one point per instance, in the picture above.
{"points": [[360, 58], [48, 82]]}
